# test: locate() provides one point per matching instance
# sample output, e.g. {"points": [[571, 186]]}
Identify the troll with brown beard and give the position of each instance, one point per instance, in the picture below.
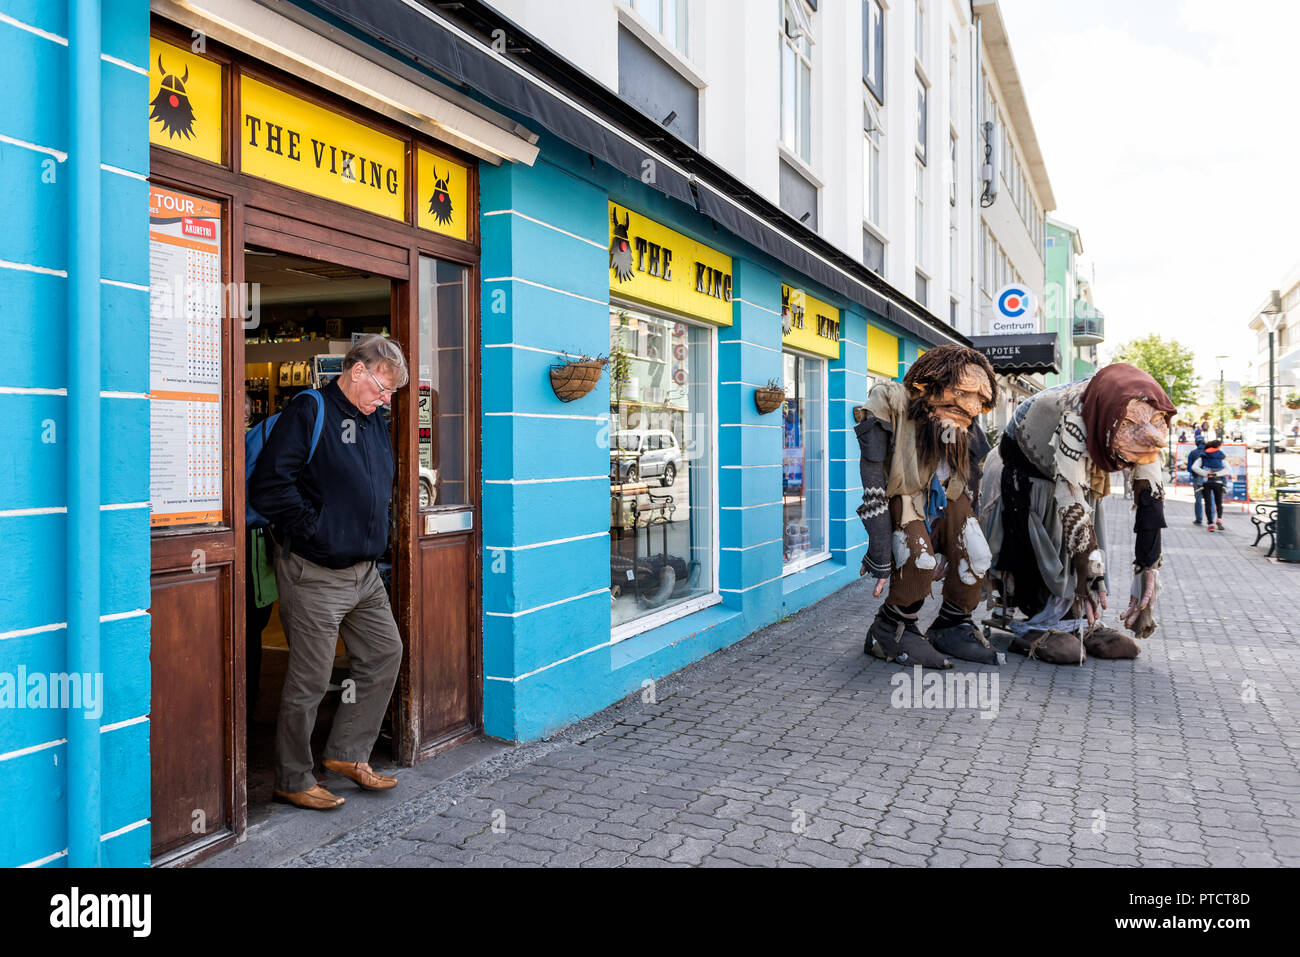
{"points": [[1041, 512], [921, 453]]}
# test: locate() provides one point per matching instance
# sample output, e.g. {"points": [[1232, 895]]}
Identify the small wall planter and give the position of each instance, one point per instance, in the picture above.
{"points": [[768, 398], [575, 378]]}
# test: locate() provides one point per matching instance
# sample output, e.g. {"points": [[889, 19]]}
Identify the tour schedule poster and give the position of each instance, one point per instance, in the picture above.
{"points": [[185, 299]]}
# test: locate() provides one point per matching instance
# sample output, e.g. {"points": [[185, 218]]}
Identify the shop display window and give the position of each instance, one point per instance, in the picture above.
{"points": [[444, 318], [661, 470], [803, 461]]}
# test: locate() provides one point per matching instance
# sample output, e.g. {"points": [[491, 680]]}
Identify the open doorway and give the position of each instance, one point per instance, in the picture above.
{"points": [[307, 315]]}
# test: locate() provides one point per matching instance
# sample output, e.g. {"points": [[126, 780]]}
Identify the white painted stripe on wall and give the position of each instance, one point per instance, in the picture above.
{"points": [[125, 285], [25, 512], [514, 212], [123, 506], [45, 860], [23, 632], [735, 508], [562, 601], [123, 64], [120, 615], [24, 390], [45, 34], [529, 282], [775, 466], [741, 591], [35, 147], [746, 342], [124, 395], [554, 541], [770, 312], [104, 729], [33, 749], [123, 172], [585, 651], [514, 345], [746, 425], [28, 267], [548, 415], [122, 830], [546, 481], [775, 541], [848, 372]]}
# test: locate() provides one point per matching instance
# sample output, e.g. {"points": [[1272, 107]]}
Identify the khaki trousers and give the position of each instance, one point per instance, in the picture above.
{"points": [[317, 606]]}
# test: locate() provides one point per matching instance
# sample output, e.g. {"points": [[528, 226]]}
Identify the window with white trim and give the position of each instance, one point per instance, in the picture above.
{"points": [[873, 173], [796, 79], [873, 48], [920, 214], [668, 18], [803, 461], [922, 117]]}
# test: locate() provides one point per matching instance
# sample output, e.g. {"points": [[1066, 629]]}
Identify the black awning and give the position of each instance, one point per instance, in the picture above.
{"points": [[1040, 352], [415, 29]]}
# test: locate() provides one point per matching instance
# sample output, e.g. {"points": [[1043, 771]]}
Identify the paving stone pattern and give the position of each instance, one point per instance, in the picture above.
{"points": [[784, 750]]}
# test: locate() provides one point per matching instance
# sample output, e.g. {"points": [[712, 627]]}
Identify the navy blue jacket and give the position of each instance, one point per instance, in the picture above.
{"points": [[332, 510]]}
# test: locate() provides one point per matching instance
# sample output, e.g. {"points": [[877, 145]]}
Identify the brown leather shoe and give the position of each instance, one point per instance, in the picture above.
{"points": [[362, 773], [315, 799]]}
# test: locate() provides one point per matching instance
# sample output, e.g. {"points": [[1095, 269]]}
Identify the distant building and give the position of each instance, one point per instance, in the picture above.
{"points": [[1286, 354], [1068, 308]]}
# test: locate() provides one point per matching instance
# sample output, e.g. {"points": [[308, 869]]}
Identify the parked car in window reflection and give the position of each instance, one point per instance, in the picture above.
{"points": [[636, 456]]}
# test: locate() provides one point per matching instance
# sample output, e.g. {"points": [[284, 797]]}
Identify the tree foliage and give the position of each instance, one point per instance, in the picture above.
{"points": [[1167, 361]]}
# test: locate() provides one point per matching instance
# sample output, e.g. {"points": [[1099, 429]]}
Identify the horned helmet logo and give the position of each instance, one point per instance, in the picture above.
{"points": [[172, 105], [440, 202], [620, 249], [787, 320]]}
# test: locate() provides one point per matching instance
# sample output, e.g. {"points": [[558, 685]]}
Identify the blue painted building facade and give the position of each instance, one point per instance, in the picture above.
{"points": [[74, 781], [74, 510]]}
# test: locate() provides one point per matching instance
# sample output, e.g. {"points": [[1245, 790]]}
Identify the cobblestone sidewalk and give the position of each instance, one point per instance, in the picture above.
{"points": [[786, 749]]}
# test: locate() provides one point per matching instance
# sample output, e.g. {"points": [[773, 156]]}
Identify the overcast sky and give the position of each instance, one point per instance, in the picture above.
{"points": [[1169, 132]]}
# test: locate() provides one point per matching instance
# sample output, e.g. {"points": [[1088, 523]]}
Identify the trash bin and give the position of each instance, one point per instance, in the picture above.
{"points": [[1288, 525]]}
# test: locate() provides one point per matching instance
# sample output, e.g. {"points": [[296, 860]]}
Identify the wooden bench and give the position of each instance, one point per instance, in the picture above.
{"points": [[1265, 519]]}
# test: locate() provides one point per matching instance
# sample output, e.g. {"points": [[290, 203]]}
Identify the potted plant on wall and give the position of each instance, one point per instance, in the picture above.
{"points": [[1250, 399], [576, 375], [770, 397], [1293, 400]]}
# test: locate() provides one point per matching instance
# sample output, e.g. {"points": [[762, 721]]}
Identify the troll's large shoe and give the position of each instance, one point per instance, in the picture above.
{"points": [[965, 642], [1053, 646], [902, 644], [1103, 642]]}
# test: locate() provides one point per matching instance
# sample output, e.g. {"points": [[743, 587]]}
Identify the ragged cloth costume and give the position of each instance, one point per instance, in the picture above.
{"points": [[913, 515], [1041, 509]]}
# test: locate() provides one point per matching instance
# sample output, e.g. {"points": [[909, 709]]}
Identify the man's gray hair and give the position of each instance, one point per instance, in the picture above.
{"points": [[379, 352]]}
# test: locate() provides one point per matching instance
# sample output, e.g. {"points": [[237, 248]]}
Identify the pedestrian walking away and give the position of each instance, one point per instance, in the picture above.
{"points": [[329, 516], [1198, 481]]}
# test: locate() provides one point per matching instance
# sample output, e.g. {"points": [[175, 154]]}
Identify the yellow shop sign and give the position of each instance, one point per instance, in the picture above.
{"points": [[442, 194], [809, 324], [295, 143], [653, 264], [184, 101]]}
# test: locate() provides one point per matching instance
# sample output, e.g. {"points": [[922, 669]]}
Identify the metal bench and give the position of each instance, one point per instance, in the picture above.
{"points": [[1265, 519]]}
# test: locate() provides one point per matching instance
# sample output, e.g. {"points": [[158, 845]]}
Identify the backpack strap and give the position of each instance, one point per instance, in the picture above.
{"points": [[320, 421]]}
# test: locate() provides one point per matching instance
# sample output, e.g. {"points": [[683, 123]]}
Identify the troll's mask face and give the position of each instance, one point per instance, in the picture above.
{"points": [[1142, 434], [961, 401]]}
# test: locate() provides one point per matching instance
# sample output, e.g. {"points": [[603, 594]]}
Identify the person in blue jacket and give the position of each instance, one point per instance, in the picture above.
{"points": [[1198, 483], [1213, 469]]}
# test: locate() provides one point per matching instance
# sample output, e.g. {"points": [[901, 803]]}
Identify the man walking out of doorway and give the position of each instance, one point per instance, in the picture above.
{"points": [[328, 510]]}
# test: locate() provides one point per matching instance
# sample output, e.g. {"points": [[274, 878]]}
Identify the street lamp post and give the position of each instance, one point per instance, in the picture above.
{"points": [[1272, 313]]}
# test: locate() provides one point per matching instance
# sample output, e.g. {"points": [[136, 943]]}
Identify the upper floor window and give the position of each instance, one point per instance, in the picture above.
{"points": [[796, 79], [668, 18], [873, 173], [920, 32], [922, 117], [873, 48]]}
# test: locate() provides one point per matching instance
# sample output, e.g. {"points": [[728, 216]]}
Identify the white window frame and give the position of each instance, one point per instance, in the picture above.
{"points": [[919, 27], [873, 155], [921, 206], [818, 557], [922, 117], [869, 48], [681, 26], [639, 626], [792, 139]]}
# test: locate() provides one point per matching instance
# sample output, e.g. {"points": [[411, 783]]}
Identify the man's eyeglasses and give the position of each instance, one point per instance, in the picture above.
{"points": [[384, 392]]}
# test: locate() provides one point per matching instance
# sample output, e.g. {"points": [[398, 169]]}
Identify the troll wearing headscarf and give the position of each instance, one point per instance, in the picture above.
{"points": [[921, 450], [1042, 494]]}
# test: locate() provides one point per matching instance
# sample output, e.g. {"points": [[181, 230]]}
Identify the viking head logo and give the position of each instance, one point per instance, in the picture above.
{"points": [[620, 249], [787, 322], [440, 202], [172, 106]]}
